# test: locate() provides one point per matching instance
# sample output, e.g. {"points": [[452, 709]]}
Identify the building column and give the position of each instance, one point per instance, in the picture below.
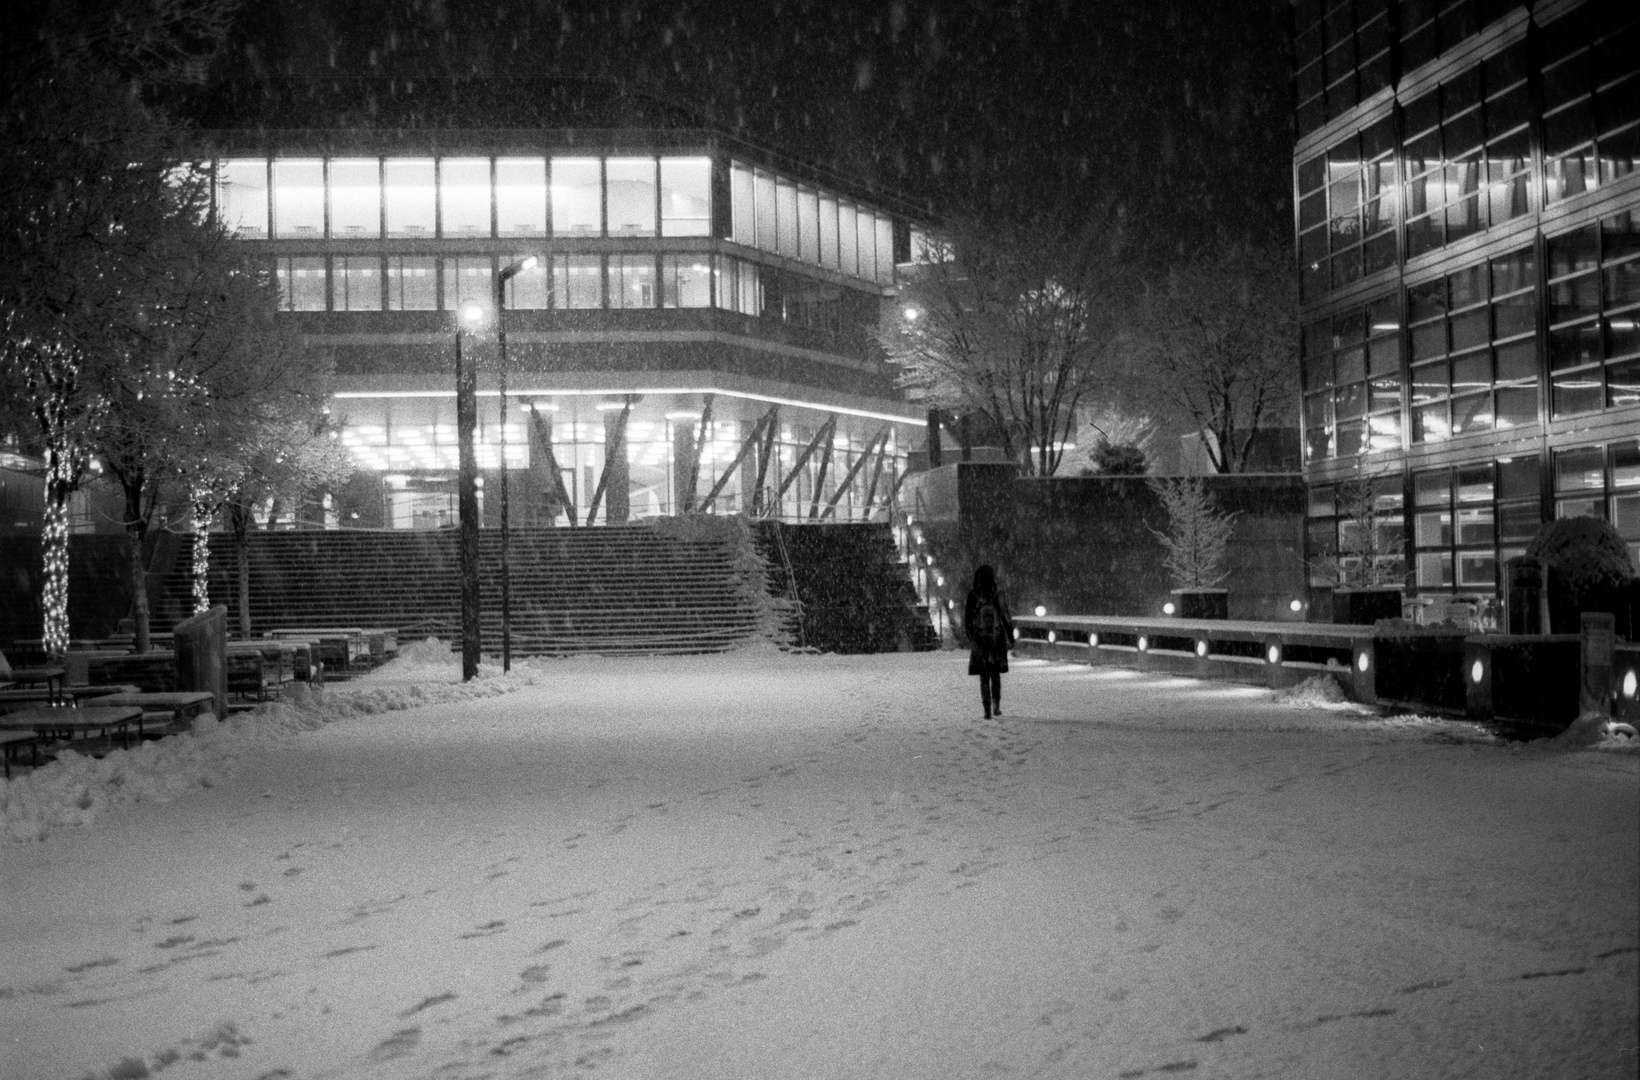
{"points": [[617, 475], [683, 461]]}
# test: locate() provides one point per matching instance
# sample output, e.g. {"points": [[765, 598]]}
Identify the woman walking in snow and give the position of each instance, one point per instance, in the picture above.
{"points": [[990, 630]]}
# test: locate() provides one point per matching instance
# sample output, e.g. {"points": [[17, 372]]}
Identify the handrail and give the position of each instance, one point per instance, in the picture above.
{"points": [[777, 528]]}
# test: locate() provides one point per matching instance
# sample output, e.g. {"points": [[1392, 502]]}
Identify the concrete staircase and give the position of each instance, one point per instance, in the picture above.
{"points": [[620, 589]]}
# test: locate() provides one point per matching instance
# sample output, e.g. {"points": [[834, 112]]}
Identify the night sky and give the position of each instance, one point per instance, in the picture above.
{"points": [[1179, 110]]}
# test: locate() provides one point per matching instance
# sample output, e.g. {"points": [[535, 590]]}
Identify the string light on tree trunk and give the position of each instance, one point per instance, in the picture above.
{"points": [[202, 555]]}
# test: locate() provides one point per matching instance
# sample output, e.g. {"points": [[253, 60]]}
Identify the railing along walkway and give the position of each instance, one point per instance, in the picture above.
{"points": [[1274, 654]]}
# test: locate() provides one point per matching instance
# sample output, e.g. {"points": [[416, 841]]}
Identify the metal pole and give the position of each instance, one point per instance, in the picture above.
{"points": [[467, 508], [506, 560]]}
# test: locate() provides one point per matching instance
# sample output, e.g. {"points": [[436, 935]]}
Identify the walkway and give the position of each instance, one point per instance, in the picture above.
{"points": [[830, 867]]}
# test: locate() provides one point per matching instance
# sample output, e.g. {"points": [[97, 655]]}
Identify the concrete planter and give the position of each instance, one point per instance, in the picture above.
{"points": [[1201, 603], [1363, 607]]}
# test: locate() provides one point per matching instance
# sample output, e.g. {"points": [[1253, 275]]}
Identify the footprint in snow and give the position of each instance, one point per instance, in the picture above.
{"points": [[428, 1003], [399, 1044]]}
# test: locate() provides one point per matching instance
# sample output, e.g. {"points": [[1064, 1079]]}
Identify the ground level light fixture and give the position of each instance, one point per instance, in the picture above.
{"points": [[1167, 608], [1040, 611]]}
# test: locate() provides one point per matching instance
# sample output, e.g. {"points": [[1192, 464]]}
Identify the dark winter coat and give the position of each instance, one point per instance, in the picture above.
{"points": [[983, 659]]}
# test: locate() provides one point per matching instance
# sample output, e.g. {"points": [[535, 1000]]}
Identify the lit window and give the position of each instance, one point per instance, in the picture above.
{"points": [[470, 278], [577, 197], [357, 284], [299, 198], [411, 197], [521, 196], [631, 281], [355, 197], [686, 196], [242, 196], [685, 281], [848, 237], [631, 187], [411, 284], [464, 196], [301, 284]]}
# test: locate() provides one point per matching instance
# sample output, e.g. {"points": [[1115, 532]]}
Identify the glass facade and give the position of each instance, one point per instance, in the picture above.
{"points": [[411, 444], [1594, 305], [1464, 148], [365, 234], [774, 214], [1464, 223]]}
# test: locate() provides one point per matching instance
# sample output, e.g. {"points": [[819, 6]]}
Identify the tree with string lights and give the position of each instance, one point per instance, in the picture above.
{"points": [[91, 201]]}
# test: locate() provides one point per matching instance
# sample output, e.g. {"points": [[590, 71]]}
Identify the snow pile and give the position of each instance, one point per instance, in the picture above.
{"points": [[76, 789], [1598, 732], [1316, 692], [428, 651], [1438, 729]]}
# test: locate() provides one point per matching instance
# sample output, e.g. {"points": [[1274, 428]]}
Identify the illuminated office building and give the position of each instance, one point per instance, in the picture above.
{"points": [[680, 279], [1466, 212]]}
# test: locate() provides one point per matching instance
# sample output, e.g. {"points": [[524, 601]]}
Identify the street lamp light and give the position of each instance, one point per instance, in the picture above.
{"points": [[501, 280], [470, 316]]}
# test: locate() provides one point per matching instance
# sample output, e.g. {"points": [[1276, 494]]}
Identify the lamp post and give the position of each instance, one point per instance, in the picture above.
{"points": [[501, 280], [470, 316]]}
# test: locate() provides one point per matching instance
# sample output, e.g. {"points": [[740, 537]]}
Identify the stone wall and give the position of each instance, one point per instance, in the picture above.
{"points": [[1084, 545]]}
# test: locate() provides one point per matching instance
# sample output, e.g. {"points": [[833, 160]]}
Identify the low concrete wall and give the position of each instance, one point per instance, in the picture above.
{"points": [[1085, 545]]}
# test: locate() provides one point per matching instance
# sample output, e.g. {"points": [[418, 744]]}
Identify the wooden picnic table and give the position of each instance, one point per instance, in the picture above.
{"points": [[13, 741], [66, 720], [29, 676], [12, 699], [170, 707]]}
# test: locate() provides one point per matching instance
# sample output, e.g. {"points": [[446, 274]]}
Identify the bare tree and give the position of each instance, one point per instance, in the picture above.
{"points": [[1197, 539], [93, 208], [1218, 343], [1014, 321], [288, 456], [1370, 553], [86, 197]]}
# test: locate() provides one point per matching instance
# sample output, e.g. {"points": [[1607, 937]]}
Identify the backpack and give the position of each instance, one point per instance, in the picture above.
{"points": [[988, 628]]}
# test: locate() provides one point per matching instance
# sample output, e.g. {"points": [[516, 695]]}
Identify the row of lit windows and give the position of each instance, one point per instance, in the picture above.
{"points": [[369, 197], [1472, 349], [1466, 522], [1466, 153], [560, 282], [776, 214], [362, 198]]}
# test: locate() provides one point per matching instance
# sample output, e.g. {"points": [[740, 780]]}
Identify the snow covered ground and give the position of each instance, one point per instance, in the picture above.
{"points": [[763, 866]]}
